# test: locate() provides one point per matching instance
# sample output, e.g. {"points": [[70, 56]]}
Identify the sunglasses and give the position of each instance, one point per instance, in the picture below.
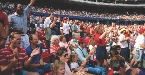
{"points": [[66, 55], [118, 49]]}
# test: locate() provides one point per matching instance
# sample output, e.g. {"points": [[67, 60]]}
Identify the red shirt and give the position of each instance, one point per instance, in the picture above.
{"points": [[100, 42], [4, 18], [87, 40], [54, 48], [6, 55], [127, 35]]}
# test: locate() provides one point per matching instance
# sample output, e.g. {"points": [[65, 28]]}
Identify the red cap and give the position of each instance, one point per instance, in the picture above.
{"points": [[141, 30], [81, 40], [64, 18]]}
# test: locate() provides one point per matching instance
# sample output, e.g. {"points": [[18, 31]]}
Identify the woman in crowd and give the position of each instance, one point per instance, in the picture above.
{"points": [[54, 47], [63, 56], [63, 43], [58, 67]]}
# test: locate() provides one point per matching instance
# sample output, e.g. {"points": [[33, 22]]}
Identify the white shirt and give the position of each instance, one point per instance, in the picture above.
{"points": [[47, 22], [92, 56], [139, 40], [66, 28], [67, 69], [122, 44], [74, 65]]}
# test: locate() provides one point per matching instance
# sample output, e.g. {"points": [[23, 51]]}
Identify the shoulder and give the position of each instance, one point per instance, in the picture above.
{"points": [[4, 51], [28, 48]]}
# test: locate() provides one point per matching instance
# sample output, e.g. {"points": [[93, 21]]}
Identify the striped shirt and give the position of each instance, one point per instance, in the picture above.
{"points": [[6, 55], [20, 21]]}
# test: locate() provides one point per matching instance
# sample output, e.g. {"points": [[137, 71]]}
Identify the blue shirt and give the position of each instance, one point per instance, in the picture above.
{"points": [[20, 21], [36, 58], [82, 53]]}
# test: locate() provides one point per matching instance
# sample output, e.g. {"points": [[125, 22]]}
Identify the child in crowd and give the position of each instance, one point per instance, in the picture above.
{"points": [[92, 45], [58, 67], [73, 62]]}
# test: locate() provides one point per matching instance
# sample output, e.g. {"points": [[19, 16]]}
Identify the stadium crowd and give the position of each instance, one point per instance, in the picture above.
{"points": [[107, 15], [67, 47]]}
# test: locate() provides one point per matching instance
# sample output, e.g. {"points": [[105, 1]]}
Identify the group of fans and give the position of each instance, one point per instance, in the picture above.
{"points": [[73, 47], [107, 15]]}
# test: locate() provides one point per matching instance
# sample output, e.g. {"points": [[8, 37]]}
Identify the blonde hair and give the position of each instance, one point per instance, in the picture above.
{"points": [[92, 41], [55, 65], [75, 34], [53, 38], [72, 55]]}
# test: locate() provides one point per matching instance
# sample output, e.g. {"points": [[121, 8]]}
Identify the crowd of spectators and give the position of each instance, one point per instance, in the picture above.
{"points": [[35, 45], [123, 16]]}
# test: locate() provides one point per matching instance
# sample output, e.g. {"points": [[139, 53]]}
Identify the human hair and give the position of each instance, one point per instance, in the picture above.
{"points": [[113, 53], [61, 38], [97, 28], [71, 57], [115, 56], [60, 51], [53, 38], [115, 47], [31, 36], [55, 65], [12, 35], [74, 35], [91, 41], [117, 64]]}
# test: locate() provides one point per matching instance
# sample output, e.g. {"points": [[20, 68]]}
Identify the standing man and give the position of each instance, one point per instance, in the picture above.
{"points": [[123, 43], [38, 65], [66, 29], [49, 24], [14, 57], [18, 20], [4, 28]]}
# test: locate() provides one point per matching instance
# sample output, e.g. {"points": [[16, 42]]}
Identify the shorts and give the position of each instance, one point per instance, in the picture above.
{"points": [[138, 54], [101, 53]]}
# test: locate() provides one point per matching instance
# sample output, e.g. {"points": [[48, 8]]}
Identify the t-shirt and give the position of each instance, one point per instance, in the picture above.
{"points": [[74, 65], [6, 55], [3, 19]]}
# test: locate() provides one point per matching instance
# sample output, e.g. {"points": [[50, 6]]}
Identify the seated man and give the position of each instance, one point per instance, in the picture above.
{"points": [[13, 58], [120, 69], [84, 57], [38, 65]]}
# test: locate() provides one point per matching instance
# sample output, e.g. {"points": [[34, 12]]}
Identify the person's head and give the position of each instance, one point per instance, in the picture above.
{"points": [[119, 66], [92, 42], [123, 31], [62, 54], [64, 19], [114, 53], [99, 29], [55, 40], [58, 67], [15, 39], [82, 42], [51, 17], [33, 38], [19, 9], [117, 48], [142, 31], [76, 36], [62, 38], [73, 57]]}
